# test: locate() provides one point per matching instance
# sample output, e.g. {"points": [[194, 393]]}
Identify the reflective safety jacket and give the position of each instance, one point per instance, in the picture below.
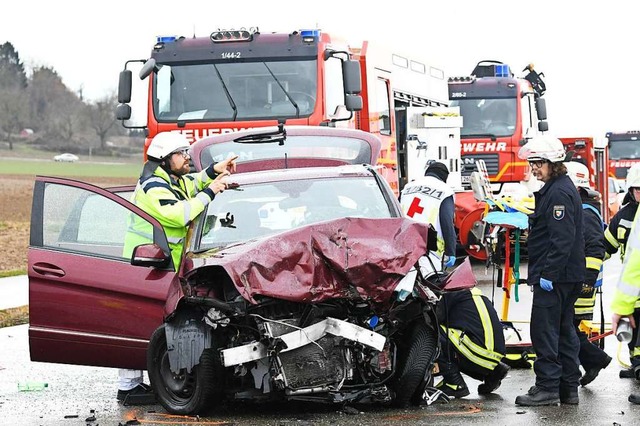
{"points": [[627, 291], [594, 252], [430, 200], [556, 241], [617, 232], [472, 325], [173, 202]]}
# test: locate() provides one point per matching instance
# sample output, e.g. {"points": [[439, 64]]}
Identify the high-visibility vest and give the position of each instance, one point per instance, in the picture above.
{"points": [[421, 200], [173, 203], [627, 290], [586, 302]]}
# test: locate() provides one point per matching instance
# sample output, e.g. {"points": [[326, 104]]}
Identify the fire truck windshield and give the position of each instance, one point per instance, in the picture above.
{"points": [[624, 149], [235, 91], [486, 116]]}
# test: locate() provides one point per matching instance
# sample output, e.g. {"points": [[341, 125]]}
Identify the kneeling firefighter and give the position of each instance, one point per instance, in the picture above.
{"points": [[472, 342]]}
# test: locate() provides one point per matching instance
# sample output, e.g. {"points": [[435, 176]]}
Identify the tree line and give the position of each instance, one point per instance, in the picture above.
{"points": [[61, 120]]}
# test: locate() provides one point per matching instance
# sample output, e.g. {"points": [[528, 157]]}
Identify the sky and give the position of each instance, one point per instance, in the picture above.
{"points": [[588, 53]]}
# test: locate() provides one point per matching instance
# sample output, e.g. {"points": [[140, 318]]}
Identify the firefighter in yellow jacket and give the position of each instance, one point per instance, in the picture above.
{"points": [[168, 192], [627, 291]]}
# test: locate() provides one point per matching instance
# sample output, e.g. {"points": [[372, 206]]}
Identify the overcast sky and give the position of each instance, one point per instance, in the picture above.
{"points": [[590, 55]]}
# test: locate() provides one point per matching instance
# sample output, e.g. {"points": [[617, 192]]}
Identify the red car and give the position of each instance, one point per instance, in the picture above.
{"points": [[287, 288]]}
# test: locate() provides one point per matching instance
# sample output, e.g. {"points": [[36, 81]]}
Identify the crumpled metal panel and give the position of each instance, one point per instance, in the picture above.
{"points": [[353, 258]]}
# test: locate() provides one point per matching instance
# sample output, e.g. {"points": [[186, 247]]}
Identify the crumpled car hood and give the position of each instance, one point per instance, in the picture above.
{"points": [[353, 258]]}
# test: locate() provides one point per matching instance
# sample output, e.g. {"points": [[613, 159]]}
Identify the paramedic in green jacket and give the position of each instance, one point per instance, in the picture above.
{"points": [[168, 192]]}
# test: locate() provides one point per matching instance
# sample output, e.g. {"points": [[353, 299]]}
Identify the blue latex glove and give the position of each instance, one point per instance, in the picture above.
{"points": [[546, 284], [449, 261], [598, 283]]}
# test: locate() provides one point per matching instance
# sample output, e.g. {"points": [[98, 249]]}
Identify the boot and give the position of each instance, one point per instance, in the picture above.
{"points": [[634, 398], [627, 373], [537, 396], [569, 396], [452, 384], [591, 373], [494, 379]]}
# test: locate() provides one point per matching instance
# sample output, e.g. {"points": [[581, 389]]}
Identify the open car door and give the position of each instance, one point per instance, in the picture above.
{"points": [[88, 304]]}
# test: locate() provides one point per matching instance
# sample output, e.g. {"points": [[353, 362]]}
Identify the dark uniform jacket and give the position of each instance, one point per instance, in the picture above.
{"points": [[556, 240], [593, 238], [458, 310], [619, 227]]}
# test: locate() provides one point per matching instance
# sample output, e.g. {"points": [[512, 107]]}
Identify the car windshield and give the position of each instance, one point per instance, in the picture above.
{"points": [[624, 149], [264, 209]]}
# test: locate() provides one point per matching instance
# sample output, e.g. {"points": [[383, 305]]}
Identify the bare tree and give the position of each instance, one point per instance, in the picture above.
{"points": [[14, 112], [101, 117]]}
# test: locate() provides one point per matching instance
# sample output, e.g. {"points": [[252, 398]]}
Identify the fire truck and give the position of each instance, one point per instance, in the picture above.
{"points": [[624, 152], [235, 80]]}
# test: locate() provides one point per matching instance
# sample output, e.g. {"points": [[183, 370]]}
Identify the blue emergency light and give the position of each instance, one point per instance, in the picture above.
{"points": [[309, 36], [502, 70], [165, 39]]}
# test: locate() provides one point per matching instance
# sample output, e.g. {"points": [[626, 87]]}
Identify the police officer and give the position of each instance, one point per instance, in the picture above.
{"points": [[556, 272], [616, 236], [627, 291], [168, 192], [472, 342], [592, 358], [430, 200]]}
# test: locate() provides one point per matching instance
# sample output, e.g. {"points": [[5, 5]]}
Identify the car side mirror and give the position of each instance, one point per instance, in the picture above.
{"points": [[150, 255]]}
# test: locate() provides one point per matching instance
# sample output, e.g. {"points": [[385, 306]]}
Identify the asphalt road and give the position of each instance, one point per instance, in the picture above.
{"points": [[74, 391]]}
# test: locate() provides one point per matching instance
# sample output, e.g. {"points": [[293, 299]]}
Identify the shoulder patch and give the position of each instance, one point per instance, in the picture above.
{"points": [[558, 212]]}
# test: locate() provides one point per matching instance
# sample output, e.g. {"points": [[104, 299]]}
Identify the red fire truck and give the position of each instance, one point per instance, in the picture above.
{"points": [[624, 152]]}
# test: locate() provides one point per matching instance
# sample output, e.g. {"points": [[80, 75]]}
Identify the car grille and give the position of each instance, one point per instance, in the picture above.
{"points": [[492, 162]]}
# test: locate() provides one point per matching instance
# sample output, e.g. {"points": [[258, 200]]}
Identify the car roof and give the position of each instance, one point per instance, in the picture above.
{"points": [[305, 146]]}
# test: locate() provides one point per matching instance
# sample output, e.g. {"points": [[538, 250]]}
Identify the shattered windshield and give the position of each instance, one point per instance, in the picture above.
{"points": [[482, 117], [258, 210], [235, 91]]}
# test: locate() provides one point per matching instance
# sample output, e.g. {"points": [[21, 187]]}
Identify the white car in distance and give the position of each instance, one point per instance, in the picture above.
{"points": [[66, 158]]}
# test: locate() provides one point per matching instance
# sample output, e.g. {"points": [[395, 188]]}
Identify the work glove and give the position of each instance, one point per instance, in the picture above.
{"points": [[449, 261], [546, 284], [591, 277]]}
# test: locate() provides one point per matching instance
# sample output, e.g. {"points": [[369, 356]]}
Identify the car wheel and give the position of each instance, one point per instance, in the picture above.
{"points": [[413, 362], [183, 393]]}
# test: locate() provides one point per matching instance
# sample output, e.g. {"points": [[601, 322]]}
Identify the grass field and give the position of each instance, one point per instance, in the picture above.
{"points": [[17, 166]]}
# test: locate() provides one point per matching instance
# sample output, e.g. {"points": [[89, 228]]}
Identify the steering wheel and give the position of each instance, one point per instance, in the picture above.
{"points": [[309, 98]]}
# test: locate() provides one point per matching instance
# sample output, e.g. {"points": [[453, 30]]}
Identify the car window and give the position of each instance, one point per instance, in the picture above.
{"points": [[79, 220], [265, 209]]}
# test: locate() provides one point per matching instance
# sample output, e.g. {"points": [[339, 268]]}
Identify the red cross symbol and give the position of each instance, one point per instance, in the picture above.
{"points": [[415, 208]]}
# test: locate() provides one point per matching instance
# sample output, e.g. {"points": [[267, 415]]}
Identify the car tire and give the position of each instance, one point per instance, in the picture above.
{"points": [[185, 393], [414, 361]]}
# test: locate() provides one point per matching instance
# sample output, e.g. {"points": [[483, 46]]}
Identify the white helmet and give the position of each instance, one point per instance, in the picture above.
{"points": [[633, 176], [579, 174], [166, 143], [543, 148]]}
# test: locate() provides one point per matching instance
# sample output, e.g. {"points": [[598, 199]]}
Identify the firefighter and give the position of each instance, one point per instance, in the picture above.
{"points": [[472, 342], [592, 358], [627, 291], [168, 192], [556, 271], [429, 199], [616, 236]]}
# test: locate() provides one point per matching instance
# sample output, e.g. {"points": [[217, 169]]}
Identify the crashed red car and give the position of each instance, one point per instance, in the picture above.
{"points": [[289, 286]]}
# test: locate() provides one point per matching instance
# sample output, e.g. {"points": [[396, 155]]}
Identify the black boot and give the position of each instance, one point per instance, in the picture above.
{"points": [[627, 373], [634, 398], [452, 383], [536, 397], [591, 373], [569, 396], [494, 379]]}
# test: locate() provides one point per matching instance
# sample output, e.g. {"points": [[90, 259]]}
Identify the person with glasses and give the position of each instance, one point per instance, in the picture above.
{"points": [[616, 236], [556, 271], [168, 192]]}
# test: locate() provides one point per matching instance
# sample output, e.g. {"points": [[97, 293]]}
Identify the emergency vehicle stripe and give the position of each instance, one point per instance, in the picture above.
{"points": [[484, 318], [474, 353], [594, 263], [187, 211]]}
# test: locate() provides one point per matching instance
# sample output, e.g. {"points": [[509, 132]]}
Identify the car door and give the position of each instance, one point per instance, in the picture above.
{"points": [[87, 303]]}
